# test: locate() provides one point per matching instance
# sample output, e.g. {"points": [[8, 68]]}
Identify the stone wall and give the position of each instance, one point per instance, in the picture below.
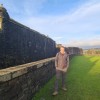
{"points": [[21, 82], [19, 44], [72, 50]]}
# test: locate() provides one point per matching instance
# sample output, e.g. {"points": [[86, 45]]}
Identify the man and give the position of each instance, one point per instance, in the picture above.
{"points": [[61, 64]]}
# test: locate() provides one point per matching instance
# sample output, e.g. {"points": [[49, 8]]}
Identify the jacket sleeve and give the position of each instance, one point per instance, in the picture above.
{"points": [[67, 60], [56, 60]]}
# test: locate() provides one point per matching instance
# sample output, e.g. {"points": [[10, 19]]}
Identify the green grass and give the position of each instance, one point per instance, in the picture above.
{"points": [[82, 81]]}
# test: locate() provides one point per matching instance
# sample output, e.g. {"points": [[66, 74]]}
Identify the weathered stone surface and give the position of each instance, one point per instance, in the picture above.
{"points": [[19, 72], [39, 65], [5, 76], [25, 80]]}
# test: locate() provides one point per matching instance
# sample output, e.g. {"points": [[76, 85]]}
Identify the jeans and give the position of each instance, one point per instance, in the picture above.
{"points": [[59, 74]]}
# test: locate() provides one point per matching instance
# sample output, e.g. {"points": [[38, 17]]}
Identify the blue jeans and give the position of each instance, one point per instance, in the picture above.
{"points": [[59, 74]]}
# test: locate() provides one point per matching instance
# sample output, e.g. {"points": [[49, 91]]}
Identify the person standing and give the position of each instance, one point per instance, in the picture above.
{"points": [[61, 64]]}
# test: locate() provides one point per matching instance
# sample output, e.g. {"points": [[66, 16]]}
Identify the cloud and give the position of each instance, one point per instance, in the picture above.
{"points": [[83, 43], [84, 19], [24, 8], [58, 37], [93, 42], [32, 7]]}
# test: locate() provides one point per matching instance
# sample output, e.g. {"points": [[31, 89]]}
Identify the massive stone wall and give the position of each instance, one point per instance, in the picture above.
{"points": [[21, 82], [72, 50], [20, 44], [75, 51]]}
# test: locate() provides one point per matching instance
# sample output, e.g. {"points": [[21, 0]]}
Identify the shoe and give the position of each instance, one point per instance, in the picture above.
{"points": [[55, 93], [63, 88]]}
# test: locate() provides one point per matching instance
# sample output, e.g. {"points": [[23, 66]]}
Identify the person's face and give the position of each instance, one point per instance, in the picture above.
{"points": [[62, 50]]}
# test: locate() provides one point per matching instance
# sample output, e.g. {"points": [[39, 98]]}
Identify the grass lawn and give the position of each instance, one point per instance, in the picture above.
{"points": [[82, 81]]}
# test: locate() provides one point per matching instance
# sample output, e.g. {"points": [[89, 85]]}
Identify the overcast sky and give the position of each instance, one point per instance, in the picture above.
{"points": [[69, 22]]}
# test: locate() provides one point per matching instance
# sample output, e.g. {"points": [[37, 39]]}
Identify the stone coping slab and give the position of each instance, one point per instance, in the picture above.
{"points": [[13, 72]]}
